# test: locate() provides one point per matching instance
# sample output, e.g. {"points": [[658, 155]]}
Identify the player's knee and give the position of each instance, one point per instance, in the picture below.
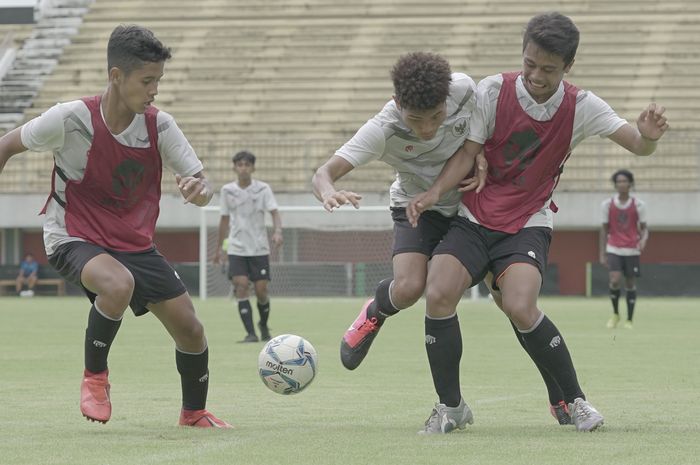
{"points": [[406, 291], [119, 288], [440, 301]]}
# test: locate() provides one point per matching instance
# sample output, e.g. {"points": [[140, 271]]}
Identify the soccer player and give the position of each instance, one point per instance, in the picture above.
{"points": [[242, 226], [527, 123], [622, 238], [101, 214], [423, 125], [28, 274]]}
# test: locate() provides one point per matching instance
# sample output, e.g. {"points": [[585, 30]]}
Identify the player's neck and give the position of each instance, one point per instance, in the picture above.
{"points": [[243, 183], [116, 115], [623, 196]]}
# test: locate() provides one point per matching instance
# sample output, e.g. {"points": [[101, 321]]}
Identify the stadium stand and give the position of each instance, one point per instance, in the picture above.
{"points": [[294, 79]]}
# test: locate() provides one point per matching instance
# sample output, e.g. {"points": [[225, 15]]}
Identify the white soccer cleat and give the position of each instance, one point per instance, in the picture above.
{"points": [[444, 419], [584, 415]]}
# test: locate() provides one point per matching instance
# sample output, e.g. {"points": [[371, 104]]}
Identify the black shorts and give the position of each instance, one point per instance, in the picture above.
{"points": [[628, 264], [482, 250], [432, 227], [154, 279], [255, 268]]}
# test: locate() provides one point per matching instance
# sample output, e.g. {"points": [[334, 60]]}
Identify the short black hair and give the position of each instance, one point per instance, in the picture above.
{"points": [[421, 80], [244, 155], [555, 33], [626, 173], [130, 46]]}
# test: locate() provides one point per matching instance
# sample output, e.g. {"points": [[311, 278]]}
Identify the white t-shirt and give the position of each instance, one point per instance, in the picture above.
{"points": [[66, 130], [417, 162], [592, 116], [246, 209], [605, 218]]}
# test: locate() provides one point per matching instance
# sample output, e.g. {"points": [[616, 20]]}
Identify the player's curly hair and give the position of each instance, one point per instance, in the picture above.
{"points": [[555, 33], [130, 46], [626, 173], [421, 80]]}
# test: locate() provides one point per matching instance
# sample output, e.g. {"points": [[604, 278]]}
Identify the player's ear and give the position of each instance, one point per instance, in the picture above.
{"points": [[115, 75], [567, 68]]}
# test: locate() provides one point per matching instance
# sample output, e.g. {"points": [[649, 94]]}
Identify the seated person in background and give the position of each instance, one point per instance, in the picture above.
{"points": [[28, 274]]}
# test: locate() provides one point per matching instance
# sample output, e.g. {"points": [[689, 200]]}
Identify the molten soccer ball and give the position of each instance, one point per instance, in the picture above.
{"points": [[287, 364]]}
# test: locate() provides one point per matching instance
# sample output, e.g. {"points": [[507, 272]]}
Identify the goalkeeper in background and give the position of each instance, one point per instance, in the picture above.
{"points": [[243, 206]]}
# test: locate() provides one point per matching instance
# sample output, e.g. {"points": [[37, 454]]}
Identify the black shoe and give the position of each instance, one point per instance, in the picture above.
{"points": [[264, 332], [250, 338], [561, 413]]}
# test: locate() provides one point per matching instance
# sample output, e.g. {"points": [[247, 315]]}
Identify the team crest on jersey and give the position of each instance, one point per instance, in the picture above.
{"points": [[460, 127], [408, 148]]}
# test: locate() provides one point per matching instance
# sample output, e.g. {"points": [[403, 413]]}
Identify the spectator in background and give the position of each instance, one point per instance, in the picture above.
{"points": [[622, 238], [243, 206], [28, 274]]}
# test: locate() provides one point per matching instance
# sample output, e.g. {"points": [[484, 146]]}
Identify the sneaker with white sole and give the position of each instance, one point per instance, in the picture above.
{"points": [[444, 419], [584, 415]]}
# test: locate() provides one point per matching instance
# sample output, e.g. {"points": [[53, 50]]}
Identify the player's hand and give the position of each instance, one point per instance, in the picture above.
{"points": [[193, 188], [219, 258], [277, 239], [603, 260], [652, 122], [339, 198], [419, 204], [479, 179]]}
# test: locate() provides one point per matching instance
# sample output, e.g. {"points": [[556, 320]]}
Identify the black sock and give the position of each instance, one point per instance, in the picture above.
{"points": [[631, 297], [246, 313], [264, 311], [194, 378], [615, 298], [548, 350], [99, 335], [382, 306], [443, 342], [553, 390]]}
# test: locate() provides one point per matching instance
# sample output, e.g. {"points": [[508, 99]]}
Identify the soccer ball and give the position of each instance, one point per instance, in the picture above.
{"points": [[287, 364]]}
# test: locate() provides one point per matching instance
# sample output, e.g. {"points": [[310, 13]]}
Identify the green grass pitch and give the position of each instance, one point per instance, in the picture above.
{"points": [[645, 381]]}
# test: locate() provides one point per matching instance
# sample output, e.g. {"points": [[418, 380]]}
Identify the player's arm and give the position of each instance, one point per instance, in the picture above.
{"points": [[276, 228], [643, 236], [10, 144], [195, 189], [223, 234], [455, 170], [651, 125], [602, 242], [323, 183]]}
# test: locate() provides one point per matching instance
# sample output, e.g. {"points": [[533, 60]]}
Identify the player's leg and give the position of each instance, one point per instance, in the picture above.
{"points": [[31, 283], [615, 281], [557, 406], [191, 357], [109, 286], [631, 272], [238, 271], [458, 262], [19, 283], [260, 275], [412, 249]]}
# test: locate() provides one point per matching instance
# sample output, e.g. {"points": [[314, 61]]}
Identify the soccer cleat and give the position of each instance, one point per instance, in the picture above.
{"points": [[613, 321], [358, 338], [561, 413], [444, 419], [264, 332], [628, 324], [94, 396], [584, 416], [249, 338], [201, 419]]}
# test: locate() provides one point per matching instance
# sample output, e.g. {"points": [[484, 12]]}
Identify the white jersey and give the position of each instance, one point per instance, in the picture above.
{"points": [[66, 130], [592, 116], [605, 217], [417, 162], [246, 209]]}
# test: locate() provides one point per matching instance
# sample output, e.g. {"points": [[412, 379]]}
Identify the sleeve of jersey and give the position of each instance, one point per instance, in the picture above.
{"points": [[605, 211], [223, 205], [366, 145], [599, 118], [270, 201], [641, 211], [175, 150], [484, 114], [45, 132]]}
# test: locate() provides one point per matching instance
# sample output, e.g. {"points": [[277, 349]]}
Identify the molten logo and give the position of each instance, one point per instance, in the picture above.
{"points": [[279, 368]]}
